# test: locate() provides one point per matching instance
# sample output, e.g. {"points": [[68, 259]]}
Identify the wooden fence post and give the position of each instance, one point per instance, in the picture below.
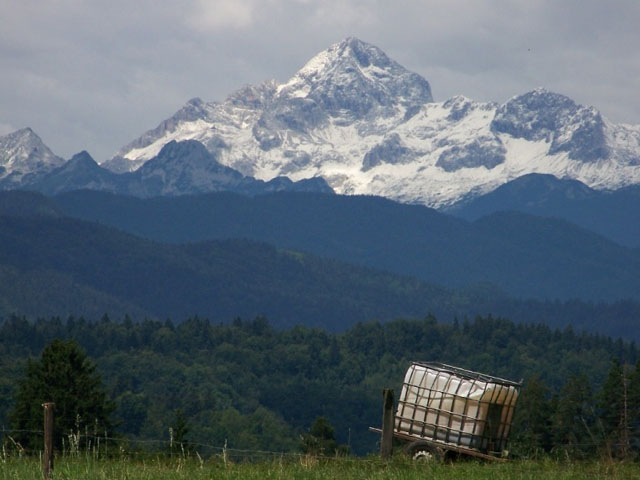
{"points": [[386, 444], [47, 463]]}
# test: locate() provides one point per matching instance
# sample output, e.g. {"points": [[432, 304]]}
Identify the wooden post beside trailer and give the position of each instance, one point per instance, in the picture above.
{"points": [[47, 461], [386, 443]]}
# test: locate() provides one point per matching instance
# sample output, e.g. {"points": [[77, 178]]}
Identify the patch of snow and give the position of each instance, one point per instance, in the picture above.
{"points": [[198, 130]]}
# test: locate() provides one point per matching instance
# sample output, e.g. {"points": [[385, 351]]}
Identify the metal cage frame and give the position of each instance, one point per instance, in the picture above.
{"points": [[463, 409]]}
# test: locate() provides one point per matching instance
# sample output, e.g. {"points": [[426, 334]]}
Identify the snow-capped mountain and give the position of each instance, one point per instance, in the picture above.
{"points": [[187, 167], [180, 168], [23, 155], [369, 126]]}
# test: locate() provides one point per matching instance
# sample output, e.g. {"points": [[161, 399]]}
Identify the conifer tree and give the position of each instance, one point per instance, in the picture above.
{"points": [[573, 419], [179, 430], [613, 412], [321, 438], [65, 376], [532, 422], [633, 408]]}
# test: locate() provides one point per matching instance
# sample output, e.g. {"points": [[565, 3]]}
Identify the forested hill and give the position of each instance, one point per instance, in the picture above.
{"points": [[54, 265], [259, 388], [524, 255], [51, 265], [613, 214]]}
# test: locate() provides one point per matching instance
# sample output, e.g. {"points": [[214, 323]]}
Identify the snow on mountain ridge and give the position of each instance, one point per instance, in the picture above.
{"points": [[369, 126], [353, 66]]}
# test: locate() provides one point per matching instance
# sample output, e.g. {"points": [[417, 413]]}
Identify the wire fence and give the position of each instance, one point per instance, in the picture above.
{"points": [[94, 446], [103, 446]]}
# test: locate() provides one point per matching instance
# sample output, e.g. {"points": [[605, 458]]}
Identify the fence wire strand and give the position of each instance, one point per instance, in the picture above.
{"points": [[101, 445]]}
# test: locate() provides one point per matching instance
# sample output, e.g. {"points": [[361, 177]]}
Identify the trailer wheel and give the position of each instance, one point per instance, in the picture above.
{"points": [[422, 452]]}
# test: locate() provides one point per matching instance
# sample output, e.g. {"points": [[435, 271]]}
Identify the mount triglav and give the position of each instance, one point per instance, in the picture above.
{"points": [[357, 119], [369, 126]]}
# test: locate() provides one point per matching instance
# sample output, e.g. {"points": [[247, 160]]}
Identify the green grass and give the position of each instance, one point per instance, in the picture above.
{"points": [[310, 468]]}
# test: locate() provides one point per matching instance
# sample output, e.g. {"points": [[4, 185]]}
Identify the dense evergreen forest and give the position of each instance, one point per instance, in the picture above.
{"points": [[261, 388]]}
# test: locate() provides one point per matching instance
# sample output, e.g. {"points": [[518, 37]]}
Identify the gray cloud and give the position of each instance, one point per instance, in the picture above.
{"points": [[94, 75]]}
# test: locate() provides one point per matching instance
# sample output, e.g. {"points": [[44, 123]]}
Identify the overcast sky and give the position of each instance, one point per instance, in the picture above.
{"points": [[94, 75]]}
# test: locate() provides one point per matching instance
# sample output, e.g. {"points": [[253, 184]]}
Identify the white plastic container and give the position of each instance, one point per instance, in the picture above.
{"points": [[456, 407]]}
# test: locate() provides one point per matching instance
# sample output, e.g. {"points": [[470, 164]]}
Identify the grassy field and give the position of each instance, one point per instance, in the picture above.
{"points": [[310, 468]]}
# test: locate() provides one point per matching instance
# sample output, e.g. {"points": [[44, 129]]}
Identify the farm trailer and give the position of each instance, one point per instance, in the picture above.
{"points": [[444, 409]]}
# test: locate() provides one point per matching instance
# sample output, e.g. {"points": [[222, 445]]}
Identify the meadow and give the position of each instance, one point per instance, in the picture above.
{"points": [[307, 467]]}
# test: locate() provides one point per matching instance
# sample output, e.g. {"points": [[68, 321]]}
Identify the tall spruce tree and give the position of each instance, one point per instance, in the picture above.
{"points": [[573, 419], [321, 438], [179, 430], [66, 376], [532, 423], [613, 412], [633, 408]]}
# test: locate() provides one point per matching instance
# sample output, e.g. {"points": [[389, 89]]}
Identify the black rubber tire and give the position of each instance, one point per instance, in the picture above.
{"points": [[424, 452]]}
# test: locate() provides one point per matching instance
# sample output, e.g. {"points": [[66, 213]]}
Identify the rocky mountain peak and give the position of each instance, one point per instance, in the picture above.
{"points": [[195, 109], [253, 96], [349, 53], [22, 142], [185, 149], [188, 163], [23, 133], [82, 157], [354, 76], [555, 118], [533, 115], [23, 152]]}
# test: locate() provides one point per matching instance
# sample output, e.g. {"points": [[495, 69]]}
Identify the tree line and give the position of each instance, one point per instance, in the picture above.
{"points": [[257, 387], [577, 421]]}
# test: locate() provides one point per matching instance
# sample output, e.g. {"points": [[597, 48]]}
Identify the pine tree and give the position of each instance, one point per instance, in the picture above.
{"points": [[573, 419], [65, 376], [321, 438], [180, 428], [178, 431], [532, 422], [633, 408], [613, 412]]}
